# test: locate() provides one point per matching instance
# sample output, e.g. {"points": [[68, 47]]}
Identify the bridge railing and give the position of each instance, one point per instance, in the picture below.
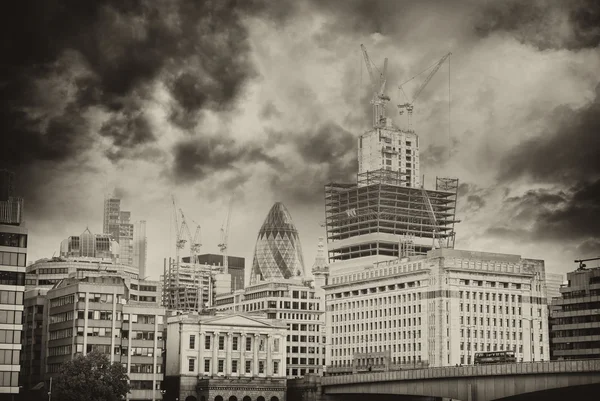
{"points": [[520, 368]]}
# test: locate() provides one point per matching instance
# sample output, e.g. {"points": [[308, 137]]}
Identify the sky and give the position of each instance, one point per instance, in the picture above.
{"points": [[264, 101]]}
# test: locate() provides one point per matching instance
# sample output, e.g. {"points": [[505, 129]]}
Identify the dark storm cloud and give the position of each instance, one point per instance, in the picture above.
{"points": [[197, 158], [571, 215], [566, 152], [542, 22], [119, 50]]}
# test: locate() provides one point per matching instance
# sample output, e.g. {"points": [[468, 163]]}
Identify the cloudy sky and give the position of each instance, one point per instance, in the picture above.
{"points": [[263, 101]]}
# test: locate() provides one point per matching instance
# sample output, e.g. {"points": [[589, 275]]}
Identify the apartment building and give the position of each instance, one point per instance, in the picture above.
{"points": [[575, 317], [439, 310], [117, 316], [225, 356]]}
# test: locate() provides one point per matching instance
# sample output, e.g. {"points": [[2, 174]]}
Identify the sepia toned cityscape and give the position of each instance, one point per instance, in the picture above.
{"points": [[164, 237]]}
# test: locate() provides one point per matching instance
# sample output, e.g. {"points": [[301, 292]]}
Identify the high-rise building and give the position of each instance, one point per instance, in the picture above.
{"points": [[574, 317], [101, 246], [553, 283], [230, 356], [278, 253], [131, 237], [389, 148], [140, 252], [13, 258], [237, 266]]}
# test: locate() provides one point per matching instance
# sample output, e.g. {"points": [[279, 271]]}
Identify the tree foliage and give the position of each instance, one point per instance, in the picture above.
{"points": [[91, 378]]}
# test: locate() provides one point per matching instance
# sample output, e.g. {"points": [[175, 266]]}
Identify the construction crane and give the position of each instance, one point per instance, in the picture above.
{"points": [[225, 237], [582, 265], [195, 244], [378, 86], [410, 106], [179, 245]]}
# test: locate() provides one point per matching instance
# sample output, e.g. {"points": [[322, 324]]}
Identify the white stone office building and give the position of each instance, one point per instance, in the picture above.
{"points": [[209, 354], [439, 309], [296, 303]]}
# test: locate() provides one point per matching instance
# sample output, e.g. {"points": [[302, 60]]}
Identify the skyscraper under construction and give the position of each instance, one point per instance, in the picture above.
{"points": [[387, 212]]}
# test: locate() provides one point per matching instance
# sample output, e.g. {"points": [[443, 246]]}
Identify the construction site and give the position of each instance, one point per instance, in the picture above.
{"points": [[388, 211], [191, 286]]}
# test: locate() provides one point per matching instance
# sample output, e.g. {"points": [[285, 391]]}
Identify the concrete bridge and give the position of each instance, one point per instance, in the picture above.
{"points": [[537, 380]]}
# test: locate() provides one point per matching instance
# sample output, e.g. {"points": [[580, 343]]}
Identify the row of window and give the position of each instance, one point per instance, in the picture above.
{"points": [[392, 300], [10, 336], [303, 350], [234, 366], [11, 297], [235, 342], [149, 288], [144, 385], [12, 278], [14, 240], [11, 317], [13, 259], [338, 329], [9, 356], [53, 270], [105, 315], [9, 379]]}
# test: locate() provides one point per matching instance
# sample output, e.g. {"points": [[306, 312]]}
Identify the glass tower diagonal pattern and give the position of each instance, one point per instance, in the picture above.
{"points": [[278, 253]]}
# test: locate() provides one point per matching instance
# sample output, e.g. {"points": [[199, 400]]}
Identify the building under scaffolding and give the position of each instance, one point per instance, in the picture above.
{"points": [[187, 287], [379, 215]]}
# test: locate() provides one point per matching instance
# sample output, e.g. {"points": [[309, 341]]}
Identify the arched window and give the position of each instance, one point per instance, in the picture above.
{"points": [[261, 398], [190, 398], [218, 398], [233, 398], [247, 398], [274, 398]]}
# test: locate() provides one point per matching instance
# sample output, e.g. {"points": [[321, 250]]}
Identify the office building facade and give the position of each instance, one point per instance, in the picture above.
{"points": [[436, 310], [130, 236], [13, 258], [575, 320], [225, 355], [89, 245], [297, 304], [236, 266], [278, 253]]}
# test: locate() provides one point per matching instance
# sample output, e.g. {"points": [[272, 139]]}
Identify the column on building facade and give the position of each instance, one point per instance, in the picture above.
{"points": [[255, 348], [201, 354], [85, 323], [269, 348], [242, 344], [112, 328], [215, 345], [228, 352]]}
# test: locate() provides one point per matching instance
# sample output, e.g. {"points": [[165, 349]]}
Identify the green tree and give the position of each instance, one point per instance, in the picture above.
{"points": [[91, 378]]}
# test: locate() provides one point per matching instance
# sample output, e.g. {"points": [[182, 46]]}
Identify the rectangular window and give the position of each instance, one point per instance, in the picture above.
{"points": [[207, 342], [275, 367], [234, 365], [192, 342], [248, 366], [207, 365], [221, 343], [221, 365], [261, 367], [248, 343], [191, 365], [234, 344]]}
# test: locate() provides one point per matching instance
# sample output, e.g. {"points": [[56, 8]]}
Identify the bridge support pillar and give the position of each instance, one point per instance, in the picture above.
{"points": [[471, 393]]}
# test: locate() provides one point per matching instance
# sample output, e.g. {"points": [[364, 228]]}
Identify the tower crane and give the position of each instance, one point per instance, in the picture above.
{"points": [[432, 218], [378, 86], [409, 106], [179, 245], [225, 237]]}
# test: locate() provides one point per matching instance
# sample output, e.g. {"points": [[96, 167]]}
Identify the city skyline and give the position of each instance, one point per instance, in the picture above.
{"points": [[278, 115]]}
